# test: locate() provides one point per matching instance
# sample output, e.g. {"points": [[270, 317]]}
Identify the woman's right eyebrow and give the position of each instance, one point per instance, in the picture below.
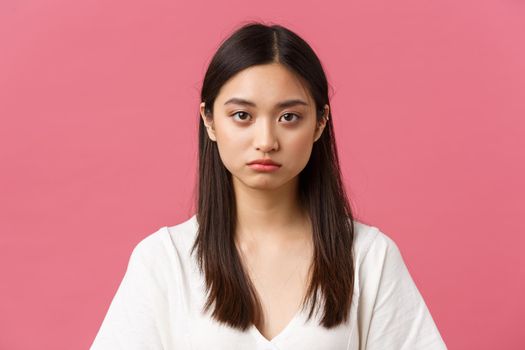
{"points": [[282, 104]]}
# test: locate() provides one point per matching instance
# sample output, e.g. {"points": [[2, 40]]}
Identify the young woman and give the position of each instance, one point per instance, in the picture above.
{"points": [[272, 258]]}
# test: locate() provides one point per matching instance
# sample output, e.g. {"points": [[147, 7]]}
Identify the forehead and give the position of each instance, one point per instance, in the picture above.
{"points": [[265, 85]]}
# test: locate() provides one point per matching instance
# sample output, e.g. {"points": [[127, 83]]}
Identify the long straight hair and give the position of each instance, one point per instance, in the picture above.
{"points": [[229, 289]]}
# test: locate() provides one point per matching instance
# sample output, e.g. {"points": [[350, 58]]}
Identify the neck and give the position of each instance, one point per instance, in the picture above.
{"points": [[270, 216]]}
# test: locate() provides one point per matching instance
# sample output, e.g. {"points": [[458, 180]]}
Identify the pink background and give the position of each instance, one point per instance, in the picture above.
{"points": [[98, 147]]}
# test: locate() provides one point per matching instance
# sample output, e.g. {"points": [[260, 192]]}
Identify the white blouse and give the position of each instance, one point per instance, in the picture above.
{"points": [[159, 301]]}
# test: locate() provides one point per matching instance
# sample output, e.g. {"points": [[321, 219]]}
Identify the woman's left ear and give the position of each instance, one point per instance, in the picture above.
{"points": [[321, 123]]}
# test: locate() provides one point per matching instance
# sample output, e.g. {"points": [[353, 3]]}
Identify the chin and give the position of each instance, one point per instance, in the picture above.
{"points": [[267, 182]]}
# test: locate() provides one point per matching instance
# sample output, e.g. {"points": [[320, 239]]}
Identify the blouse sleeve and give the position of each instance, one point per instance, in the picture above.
{"points": [[131, 321], [392, 313]]}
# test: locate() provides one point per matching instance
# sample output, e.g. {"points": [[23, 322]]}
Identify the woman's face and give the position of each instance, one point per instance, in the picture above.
{"points": [[249, 123]]}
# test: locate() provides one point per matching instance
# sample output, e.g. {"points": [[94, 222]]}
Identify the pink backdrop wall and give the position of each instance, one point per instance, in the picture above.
{"points": [[99, 101]]}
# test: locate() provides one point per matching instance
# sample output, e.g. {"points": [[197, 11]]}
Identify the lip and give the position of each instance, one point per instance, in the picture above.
{"points": [[264, 167], [264, 162]]}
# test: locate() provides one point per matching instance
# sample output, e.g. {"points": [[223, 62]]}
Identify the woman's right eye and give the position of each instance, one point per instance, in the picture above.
{"points": [[241, 114]]}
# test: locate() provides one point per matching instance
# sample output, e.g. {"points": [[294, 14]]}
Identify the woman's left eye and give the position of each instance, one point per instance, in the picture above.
{"points": [[291, 114]]}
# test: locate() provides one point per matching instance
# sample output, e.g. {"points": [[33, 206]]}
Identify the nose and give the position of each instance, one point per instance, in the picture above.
{"points": [[265, 138]]}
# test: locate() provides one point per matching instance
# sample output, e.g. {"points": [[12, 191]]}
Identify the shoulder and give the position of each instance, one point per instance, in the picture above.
{"points": [[370, 240], [392, 313], [154, 248], [380, 265]]}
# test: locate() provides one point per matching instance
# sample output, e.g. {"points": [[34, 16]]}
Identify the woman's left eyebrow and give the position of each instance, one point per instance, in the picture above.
{"points": [[282, 104]]}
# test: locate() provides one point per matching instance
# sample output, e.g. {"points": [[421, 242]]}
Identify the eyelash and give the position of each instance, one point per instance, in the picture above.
{"points": [[298, 116]]}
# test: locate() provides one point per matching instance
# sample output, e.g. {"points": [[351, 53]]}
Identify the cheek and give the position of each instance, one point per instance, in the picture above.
{"points": [[231, 143], [300, 147]]}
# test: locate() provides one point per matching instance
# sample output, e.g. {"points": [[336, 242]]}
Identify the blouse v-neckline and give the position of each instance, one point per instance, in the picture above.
{"points": [[283, 334]]}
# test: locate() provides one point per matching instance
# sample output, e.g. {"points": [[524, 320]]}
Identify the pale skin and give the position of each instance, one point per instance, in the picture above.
{"points": [[274, 235]]}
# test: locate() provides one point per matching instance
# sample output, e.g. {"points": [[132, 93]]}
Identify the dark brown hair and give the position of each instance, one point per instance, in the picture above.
{"points": [[321, 190]]}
